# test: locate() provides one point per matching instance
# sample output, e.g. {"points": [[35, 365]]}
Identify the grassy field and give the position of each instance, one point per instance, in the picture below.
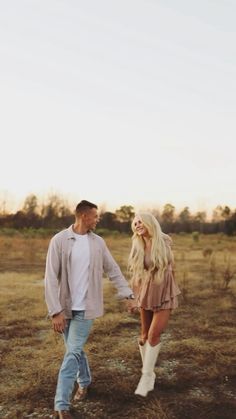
{"points": [[196, 369]]}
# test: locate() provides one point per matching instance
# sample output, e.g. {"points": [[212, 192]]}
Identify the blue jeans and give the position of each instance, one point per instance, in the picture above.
{"points": [[75, 363]]}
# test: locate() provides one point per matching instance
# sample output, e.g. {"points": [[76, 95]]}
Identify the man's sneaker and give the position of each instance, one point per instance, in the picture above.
{"points": [[81, 394]]}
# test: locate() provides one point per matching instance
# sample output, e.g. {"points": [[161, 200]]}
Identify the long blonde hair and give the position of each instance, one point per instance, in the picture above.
{"points": [[161, 253]]}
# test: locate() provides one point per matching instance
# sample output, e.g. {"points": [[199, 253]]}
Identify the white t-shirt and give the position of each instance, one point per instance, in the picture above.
{"points": [[79, 261]]}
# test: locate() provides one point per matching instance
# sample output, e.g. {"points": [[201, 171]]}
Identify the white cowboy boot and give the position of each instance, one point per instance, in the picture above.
{"points": [[146, 382], [142, 350]]}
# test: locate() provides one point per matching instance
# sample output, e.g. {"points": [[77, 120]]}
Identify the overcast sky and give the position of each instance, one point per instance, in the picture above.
{"points": [[128, 102]]}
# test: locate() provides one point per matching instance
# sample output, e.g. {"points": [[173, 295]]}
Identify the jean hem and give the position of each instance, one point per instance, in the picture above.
{"points": [[57, 408], [84, 384]]}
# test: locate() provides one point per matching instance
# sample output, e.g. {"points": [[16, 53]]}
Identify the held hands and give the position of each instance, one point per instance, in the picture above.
{"points": [[59, 322], [132, 306]]}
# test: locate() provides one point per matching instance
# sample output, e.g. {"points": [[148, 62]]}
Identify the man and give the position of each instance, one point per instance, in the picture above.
{"points": [[76, 260]]}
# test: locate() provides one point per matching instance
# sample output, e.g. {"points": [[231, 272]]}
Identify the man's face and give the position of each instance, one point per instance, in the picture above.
{"points": [[91, 218]]}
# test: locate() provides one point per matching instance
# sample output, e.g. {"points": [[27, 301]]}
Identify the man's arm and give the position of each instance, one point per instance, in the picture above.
{"points": [[112, 269], [53, 262]]}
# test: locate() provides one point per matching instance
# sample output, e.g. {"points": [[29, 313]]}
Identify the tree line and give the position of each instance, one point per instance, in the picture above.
{"points": [[56, 214]]}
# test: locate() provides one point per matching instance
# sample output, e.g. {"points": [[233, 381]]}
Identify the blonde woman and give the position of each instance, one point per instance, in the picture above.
{"points": [[151, 265]]}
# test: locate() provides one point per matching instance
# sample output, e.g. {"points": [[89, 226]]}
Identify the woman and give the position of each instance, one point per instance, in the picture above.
{"points": [[151, 264]]}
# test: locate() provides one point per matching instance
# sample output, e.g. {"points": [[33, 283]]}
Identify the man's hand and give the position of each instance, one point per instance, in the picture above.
{"points": [[59, 322]]}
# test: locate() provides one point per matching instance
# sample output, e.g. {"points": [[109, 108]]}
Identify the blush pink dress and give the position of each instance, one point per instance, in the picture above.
{"points": [[156, 297]]}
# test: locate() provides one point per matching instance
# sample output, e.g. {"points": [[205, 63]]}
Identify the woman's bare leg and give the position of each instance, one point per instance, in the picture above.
{"points": [[158, 325], [159, 321], [146, 320]]}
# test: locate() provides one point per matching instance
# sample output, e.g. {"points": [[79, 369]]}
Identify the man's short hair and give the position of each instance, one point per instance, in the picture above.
{"points": [[84, 206]]}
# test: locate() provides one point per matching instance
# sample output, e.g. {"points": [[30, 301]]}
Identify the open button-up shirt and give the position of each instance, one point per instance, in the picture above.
{"points": [[57, 275]]}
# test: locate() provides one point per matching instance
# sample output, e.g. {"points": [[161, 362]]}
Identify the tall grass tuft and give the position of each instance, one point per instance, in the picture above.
{"points": [[213, 271], [228, 271], [184, 277]]}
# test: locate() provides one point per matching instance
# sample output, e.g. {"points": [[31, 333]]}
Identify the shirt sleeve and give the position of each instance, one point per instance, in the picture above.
{"points": [[112, 269], [51, 278]]}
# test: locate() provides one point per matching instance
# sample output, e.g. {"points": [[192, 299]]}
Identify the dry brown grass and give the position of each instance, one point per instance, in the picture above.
{"points": [[196, 370]]}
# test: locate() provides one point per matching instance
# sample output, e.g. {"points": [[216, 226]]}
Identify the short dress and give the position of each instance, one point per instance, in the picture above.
{"points": [[156, 297]]}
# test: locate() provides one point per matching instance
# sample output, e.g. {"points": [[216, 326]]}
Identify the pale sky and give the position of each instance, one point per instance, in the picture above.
{"points": [[123, 102]]}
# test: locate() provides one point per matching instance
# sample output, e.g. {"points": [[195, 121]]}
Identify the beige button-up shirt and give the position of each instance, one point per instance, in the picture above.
{"points": [[57, 275]]}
